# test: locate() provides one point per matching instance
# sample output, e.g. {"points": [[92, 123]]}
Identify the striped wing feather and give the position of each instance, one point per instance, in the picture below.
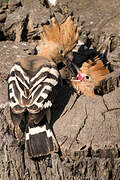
{"points": [[31, 93], [32, 84]]}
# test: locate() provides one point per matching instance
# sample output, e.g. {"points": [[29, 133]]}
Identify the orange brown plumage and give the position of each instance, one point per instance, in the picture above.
{"points": [[92, 72], [58, 39]]}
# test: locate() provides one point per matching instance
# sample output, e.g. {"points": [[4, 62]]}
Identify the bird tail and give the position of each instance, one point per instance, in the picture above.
{"points": [[40, 141]]}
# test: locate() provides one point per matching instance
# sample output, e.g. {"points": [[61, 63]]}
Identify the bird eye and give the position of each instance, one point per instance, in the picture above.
{"points": [[61, 51], [87, 77]]}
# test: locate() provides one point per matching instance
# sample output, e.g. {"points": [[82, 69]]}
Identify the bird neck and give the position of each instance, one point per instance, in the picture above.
{"points": [[45, 53], [47, 50]]}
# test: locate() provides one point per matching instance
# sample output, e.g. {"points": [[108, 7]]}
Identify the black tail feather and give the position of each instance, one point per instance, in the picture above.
{"points": [[41, 141]]}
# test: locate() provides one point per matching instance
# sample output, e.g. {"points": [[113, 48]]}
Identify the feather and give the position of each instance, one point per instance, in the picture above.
{"points": [[92, 73], [32, 85], [40, 140], [58, 39]]}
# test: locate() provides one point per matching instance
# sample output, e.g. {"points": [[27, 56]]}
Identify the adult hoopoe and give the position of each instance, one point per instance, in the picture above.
{"points": [[32, 84], [89, 76]]}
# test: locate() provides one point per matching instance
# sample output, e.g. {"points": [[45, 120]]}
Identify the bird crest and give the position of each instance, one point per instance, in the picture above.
{"points": [[89, 76], [65, 34]]}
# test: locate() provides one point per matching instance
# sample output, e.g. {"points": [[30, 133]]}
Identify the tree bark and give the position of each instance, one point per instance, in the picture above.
{"points": [[76, 162]]}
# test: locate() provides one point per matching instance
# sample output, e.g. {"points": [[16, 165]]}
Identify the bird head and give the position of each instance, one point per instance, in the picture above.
{"points": [[89, 76], [58, 39]]}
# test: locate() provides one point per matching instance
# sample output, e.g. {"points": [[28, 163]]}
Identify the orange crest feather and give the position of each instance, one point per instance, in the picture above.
{"points": [[65, 34], [96, 71]]}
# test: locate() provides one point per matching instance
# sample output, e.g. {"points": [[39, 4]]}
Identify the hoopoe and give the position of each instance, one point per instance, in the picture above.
{"points": [[89, 76], [32, 85]]}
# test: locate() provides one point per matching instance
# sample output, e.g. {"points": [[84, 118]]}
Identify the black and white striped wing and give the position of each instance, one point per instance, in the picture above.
{"points": [[42, 86], [31, 91], [18, 89]]}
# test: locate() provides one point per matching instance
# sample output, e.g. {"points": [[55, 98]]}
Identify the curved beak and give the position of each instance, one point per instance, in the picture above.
{"points": [[79, 74]]}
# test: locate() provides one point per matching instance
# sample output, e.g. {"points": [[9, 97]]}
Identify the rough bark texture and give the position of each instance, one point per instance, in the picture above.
{"points": [[87, 129]]}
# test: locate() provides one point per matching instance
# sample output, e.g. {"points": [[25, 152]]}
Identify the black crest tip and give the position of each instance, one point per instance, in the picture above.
{"points": [[52, 15], [42, 24], [47, 23], [71, 14]]}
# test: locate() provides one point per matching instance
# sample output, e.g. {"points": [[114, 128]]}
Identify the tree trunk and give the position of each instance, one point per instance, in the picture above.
{"points": [[77, 162]]}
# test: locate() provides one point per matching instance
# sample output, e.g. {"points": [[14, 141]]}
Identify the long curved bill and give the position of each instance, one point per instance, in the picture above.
{"points": [[79, 76]]}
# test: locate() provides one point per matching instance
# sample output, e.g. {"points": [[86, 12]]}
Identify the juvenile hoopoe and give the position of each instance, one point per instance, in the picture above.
{"points": [[32, 84], [89, 76]]}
